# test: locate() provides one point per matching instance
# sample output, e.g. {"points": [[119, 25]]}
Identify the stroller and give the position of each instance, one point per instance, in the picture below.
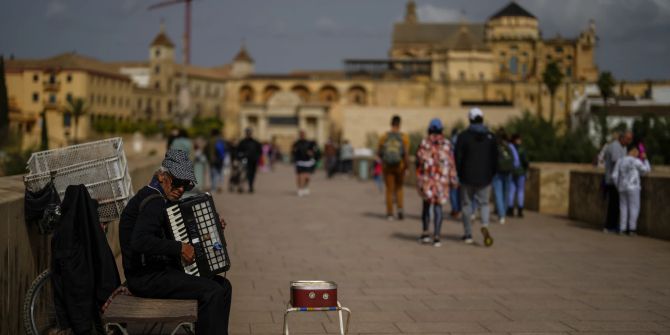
{"points": [[238, 175]]}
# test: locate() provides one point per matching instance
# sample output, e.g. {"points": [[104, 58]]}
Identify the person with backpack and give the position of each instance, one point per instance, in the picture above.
{"points": [[476, 163], [249, 153], [305, 154], [435, 175], [518, 184], [503, 177], [393, 150], [216, 155]]}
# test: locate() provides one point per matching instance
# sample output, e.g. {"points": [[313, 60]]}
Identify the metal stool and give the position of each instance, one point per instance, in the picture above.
{"points": [[343, 328]]}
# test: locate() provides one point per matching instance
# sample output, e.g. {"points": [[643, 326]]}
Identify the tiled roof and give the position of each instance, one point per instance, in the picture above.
{"points": [[66, 61], [162, 40], [243, 56], [444, 35], [512, 9]]}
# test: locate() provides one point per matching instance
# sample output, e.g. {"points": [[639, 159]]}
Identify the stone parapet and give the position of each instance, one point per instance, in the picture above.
{"points": [[588, 204]]}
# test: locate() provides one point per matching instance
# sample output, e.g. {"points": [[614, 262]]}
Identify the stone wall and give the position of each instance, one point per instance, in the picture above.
{"points": [[25, 253], [588, 205], [548, 187]]}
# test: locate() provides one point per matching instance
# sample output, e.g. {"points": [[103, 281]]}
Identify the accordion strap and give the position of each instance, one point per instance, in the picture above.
{"points": [[148, 199]]}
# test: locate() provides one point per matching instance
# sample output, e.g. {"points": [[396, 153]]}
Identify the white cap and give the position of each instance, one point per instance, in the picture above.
{"points": [[475, 112]]}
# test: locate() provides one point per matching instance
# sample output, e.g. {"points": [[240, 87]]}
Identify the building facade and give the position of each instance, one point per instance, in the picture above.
{"points": [[438, 69]]}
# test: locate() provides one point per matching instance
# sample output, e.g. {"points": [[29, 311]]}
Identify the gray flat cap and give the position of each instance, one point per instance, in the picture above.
{"points": [[178, 164]]}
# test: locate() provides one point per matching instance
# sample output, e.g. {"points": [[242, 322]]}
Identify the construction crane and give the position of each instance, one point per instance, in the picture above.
{"points": [[187, 24]]}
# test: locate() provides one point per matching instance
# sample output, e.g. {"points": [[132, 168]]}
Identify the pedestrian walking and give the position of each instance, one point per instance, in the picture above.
{"points": [[249, 152], [626, 176], [347, 157], [503, 177], [435, 173], [454, 192], [518, 185], [330, 153], [182, 142], [377, 174], [476, 163], [393, 149], [305, 155], [216, 156], [199, 163], [614, 151]]}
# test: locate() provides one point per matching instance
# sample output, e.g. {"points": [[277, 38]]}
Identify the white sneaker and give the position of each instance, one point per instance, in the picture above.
{"points": [[390, 218], [502, 220], [306, 191], [300, 193]]}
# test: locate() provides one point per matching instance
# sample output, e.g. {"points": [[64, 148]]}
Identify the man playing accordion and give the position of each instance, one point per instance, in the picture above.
{"points": [[152, 261]]}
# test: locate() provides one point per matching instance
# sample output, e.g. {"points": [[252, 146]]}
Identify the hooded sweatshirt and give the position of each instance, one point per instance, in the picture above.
{"points": [[476, 156]]}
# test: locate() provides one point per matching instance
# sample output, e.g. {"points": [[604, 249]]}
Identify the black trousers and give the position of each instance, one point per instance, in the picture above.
{"points": [[213, 295], [251, 174], [612, 217]]}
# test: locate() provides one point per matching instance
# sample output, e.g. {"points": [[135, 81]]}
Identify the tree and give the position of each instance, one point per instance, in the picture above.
{"points": [[76, 108], [606, 84], [4, 104], [552, 77], [44, 143]]}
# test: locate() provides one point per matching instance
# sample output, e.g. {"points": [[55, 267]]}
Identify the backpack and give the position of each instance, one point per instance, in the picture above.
{"points": [[393, 149], [505, 159]]}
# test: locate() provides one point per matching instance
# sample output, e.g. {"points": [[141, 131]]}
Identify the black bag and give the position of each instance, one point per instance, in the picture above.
{"points": [[42, 208]]}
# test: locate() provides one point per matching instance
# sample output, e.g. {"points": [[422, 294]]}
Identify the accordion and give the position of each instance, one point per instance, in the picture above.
{"points": [[194, 220]]}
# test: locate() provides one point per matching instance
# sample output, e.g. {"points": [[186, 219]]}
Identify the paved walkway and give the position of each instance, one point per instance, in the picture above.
{"points": [[542, 275]]}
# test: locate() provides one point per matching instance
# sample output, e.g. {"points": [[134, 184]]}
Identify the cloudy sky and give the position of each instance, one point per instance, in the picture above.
{"points": [[284, 35]]}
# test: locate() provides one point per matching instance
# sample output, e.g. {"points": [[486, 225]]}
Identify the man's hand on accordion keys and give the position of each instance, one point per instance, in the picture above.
{"points": [[187, 253], [223, 222]]}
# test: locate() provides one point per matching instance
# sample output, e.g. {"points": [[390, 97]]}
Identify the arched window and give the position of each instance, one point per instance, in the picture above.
{"points": [[357, 95], [269, 91], [513, 64], [246, 94], [302, 91], [328, 94]]}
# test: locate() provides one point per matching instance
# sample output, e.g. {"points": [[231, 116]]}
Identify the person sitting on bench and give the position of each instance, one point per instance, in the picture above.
{"points": [[152, 261]]}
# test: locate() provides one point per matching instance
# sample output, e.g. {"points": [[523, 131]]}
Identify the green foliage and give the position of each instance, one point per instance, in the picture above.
{"points": [[545, 142], [655, 134], [606, 84], [552, 78], [76, 107], [204, 126], [414, 141], [14, 161], [109, 125]]}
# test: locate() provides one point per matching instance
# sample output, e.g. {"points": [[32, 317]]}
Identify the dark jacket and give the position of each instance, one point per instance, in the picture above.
{"points": [[83, 269], [476, 156], [250, 149], [145, 238]]}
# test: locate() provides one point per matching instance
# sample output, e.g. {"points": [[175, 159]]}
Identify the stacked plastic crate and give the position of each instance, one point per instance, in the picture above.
{"points": [[101, 166]]}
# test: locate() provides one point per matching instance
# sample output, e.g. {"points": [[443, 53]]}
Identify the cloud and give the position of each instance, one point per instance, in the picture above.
{"points": [[327, 26], [430, 13], [55, 8]]}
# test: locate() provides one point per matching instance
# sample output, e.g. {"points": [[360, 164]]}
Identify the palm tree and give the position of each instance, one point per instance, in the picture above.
{"points": [[76, 108], [552, 77], [606, 84]]}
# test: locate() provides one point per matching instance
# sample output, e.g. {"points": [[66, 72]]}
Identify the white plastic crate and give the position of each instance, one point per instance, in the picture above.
{"points": [[101, 166]]}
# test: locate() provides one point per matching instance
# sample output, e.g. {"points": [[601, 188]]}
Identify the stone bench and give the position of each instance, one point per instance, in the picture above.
{"points": [[125, 309]]}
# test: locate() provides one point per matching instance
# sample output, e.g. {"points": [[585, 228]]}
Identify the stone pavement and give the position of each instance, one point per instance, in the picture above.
{"points": [[543, 275]]}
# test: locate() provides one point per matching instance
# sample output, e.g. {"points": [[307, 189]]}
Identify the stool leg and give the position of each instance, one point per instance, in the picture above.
{"points": [[286, 321]]}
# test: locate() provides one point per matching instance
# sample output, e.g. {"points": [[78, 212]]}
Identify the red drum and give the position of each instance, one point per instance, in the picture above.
{"points": [[313, 293]]}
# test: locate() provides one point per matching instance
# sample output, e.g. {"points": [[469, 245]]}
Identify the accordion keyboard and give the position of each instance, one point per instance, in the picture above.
{"points": [[180, 234]]}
